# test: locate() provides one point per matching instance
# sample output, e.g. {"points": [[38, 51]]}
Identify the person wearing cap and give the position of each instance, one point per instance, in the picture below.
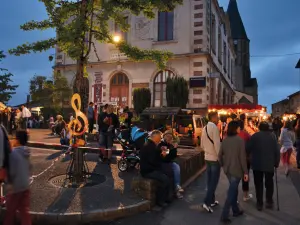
{"points": [[170, 145]]}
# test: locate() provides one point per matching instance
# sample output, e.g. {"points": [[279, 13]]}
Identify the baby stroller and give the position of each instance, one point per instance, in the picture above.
{"points": [[131, 140]]}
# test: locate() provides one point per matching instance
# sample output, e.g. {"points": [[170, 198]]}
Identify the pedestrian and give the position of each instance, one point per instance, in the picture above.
{"points": [[91, 117], [246, 137], [151, 167], [169, 160], [265, 155], [232, 158], [287, 140], [26, 114], [18, 197], [297, 143], [210, 143], [108, 122]]}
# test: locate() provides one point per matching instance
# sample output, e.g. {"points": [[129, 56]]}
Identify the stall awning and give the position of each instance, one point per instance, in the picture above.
{"points": [[236, 107], [161, 111]]}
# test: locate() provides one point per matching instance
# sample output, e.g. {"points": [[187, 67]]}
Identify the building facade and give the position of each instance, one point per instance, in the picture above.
{"points": [[290, 105], [244, 82], [197, 32]]}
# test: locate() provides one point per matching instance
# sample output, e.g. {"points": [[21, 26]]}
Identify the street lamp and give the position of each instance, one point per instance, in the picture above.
{"points": [[116, 39]]}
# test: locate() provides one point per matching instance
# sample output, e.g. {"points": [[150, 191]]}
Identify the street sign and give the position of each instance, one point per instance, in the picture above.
{"points": [[214, 75], [196, 82]]}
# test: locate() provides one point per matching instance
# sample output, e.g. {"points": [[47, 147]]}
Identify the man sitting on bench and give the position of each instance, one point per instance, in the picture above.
{"points": [[151, 167]]}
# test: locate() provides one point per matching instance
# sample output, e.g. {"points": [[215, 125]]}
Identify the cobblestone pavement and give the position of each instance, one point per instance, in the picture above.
{"points": [[189, 212]]}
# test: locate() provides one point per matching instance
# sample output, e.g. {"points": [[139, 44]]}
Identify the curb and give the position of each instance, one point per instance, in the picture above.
{"points": [[194, 177], [61, 147], [88, 217]]}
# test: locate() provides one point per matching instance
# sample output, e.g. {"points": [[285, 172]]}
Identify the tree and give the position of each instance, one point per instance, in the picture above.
{"points": [[37, 88], [177, 92], [61, 90], [52, 92], [6, 88], [79, 24], [141, 99]]}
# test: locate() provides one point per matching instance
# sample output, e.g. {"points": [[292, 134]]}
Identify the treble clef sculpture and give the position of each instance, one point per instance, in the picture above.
{"points": [[79, 125]]}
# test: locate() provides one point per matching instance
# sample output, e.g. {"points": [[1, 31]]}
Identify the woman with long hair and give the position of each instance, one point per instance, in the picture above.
{"points": [[287, 140], [232, 158], [297, 143]]}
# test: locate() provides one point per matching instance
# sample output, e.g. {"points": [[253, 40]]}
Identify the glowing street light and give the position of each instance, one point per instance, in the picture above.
{"points": [[116, 38]]}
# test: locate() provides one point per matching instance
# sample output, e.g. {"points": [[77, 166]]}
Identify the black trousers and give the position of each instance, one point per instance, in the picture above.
{"points": [[91, 125], [259, 186], [163, 186], [245, 184]]}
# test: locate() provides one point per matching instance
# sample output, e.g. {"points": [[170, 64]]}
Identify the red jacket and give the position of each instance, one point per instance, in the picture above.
{"points": [[244, 135]]}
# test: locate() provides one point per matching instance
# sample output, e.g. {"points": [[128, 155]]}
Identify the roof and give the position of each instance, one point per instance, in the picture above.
{"points": [[244, 100], [298, 65], [294, 94], [162, 111], [237, 27], [284, 101], [251, 82]]}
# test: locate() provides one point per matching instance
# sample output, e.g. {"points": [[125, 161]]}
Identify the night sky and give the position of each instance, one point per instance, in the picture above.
{"points": [[271, 25]]}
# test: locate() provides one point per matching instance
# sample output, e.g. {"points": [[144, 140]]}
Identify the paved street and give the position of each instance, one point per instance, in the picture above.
{"points": [[188, 211]]}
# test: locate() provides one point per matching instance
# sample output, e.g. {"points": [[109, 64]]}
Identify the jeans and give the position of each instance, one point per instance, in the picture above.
{"points": [[212, 175], [245, 184], [91, 125], [232, 196], [163, 186], [176, 171], [18, 202], [259, 186]]}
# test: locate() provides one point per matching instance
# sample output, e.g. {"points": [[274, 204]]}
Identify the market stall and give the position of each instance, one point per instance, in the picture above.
{"points": [[251, 112]]}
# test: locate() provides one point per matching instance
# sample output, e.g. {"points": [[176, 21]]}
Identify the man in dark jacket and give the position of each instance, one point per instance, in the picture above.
{"points": [[265, 156], [108, 122], [150, 167]]}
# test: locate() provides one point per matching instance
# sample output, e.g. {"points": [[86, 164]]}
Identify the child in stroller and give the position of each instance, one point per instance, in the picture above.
{"points": [[131, 140]]}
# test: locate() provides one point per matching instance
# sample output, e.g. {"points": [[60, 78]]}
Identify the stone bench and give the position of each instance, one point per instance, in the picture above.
{"points": [[190, 162]]}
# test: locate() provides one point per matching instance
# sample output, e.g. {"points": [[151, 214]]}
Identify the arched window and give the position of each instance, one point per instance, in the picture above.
{"points": [[159, 86]]}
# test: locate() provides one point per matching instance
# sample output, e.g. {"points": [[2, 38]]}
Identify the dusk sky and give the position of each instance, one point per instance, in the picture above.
{"points": [[271, 25]]}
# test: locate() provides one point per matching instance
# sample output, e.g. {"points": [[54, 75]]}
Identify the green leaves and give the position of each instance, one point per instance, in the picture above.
{"points": [[32, 25], [177, 92], [6, 88], [38, 46], [141, 99]]}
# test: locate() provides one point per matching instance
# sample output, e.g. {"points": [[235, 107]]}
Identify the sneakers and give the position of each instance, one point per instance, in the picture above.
{"points": [[246, 198], [216, 203], [207, 208], [240, 213], [179, 189], [179, 195]]}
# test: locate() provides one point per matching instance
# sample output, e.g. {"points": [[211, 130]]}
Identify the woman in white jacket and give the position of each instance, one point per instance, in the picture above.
{"points": [[287, 139]]}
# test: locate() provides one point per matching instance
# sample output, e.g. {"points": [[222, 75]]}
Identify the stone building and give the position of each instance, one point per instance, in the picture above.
{"points": [[199, 35], [290, 105], [242, 73]]}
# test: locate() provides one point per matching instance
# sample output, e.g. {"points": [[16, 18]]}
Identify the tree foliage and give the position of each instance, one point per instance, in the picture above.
{"points": [[52, 92], [79, 24], [177, 92], [6, 88], [141, 99]]}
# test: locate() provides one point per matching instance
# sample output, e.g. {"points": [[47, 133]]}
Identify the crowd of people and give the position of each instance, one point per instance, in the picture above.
{"points": [[238, 152]]}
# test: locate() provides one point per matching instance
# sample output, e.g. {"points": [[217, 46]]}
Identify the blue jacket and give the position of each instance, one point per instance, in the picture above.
{"points": [[90, 113]]}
